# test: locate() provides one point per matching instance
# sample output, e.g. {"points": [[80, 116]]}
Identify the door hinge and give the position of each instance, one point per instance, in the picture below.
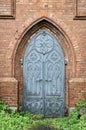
{"points": [[21, 62], [66, 62]]}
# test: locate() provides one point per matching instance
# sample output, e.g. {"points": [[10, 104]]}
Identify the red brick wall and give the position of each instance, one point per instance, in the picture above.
{"points": [[9, 91], [77, 90], [28, 13]]}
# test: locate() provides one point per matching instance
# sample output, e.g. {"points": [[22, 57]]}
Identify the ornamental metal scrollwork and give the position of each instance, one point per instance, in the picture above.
{"points": [[44, 43], [43, 72]]}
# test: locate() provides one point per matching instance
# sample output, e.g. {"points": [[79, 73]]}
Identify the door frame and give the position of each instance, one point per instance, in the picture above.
{"points": [[65, 43]]}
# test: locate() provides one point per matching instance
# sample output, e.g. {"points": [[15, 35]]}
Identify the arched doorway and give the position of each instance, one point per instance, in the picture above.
{"points": [[43, 76], [65, 44]]}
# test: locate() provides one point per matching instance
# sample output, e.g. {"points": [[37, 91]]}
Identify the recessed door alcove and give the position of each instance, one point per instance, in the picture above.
{"points": [[63, 49]]}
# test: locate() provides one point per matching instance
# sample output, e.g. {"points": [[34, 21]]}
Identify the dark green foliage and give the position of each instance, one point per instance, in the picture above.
{"points": [[74, 122], [3, 106], [81, 107], [12, 120], [81, 103]]}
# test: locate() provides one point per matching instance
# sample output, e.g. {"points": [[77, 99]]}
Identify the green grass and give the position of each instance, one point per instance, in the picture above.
{"points": [[12, 120]]}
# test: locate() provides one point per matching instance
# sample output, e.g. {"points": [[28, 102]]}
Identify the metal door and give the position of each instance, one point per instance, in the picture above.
{"points": [[43, 76]]}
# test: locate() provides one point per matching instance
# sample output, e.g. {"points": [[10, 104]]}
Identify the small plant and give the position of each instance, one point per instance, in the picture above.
{"points": [[81, 107], [3, 106], [37, 117], [81, 104]]}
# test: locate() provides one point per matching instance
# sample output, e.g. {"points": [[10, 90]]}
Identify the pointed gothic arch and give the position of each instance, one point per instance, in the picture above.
{"points": [[62, 38]]}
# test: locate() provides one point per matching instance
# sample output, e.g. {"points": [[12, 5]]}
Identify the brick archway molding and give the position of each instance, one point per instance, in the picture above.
{"points": [[16, 53], [64, 42], [56, 30]]}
